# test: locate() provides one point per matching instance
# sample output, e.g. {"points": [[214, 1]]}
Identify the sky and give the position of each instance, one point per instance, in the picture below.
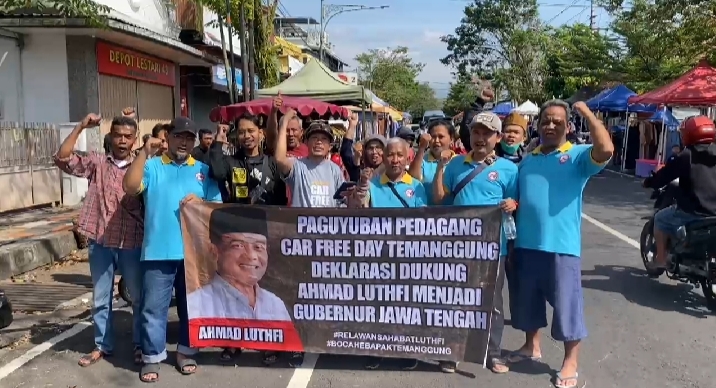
{"points": [[417, 25]]}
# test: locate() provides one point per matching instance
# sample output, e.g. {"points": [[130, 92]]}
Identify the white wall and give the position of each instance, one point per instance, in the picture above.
{"points": [[10, 81], [149, 14], [46, 92]]}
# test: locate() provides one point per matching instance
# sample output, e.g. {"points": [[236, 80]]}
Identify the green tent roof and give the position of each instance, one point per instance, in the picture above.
{"points": [[316, 81]]}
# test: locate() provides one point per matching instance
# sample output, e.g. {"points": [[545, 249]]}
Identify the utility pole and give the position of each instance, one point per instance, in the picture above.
{"points": [[328, 11], [592, 16]]}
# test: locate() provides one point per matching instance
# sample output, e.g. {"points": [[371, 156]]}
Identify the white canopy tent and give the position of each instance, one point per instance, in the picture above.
{"points": [[528, 108]]}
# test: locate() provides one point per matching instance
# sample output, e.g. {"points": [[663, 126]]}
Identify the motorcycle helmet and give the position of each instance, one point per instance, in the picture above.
{"points": [[697, 130]]}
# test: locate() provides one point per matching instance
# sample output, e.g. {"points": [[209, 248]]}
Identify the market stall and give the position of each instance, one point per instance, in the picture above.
{"points": [[504, 108], [316, 81], [528, 108], [695, 88]]}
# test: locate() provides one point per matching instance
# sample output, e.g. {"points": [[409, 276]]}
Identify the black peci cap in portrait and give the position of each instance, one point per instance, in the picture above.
{"points": [[237, 219]]}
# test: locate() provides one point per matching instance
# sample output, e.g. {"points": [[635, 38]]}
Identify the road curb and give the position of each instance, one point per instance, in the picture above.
{"points": [[28, 254]]}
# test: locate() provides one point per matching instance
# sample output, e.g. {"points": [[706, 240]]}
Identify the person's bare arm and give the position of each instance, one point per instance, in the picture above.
{"points": [[68, 145], [272, 129], [602, 146], [285, 164], [416, 166], [132, 182], [440, 190]]}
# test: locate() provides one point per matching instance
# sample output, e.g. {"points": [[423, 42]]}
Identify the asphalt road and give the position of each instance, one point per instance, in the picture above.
{"points": [[643, 333]]}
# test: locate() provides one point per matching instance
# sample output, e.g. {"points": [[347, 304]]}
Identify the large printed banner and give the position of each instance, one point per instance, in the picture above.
{"points": [[413, 283]]}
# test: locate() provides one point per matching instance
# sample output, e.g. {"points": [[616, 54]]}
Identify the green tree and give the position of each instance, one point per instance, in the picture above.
{"points": [[94, 13], [501, 40], [578, 57], [392, 75], [462, 93], [265, 60]]}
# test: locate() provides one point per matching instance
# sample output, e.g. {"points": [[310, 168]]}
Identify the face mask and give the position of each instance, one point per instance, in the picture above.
{"points": [[510, 149]]}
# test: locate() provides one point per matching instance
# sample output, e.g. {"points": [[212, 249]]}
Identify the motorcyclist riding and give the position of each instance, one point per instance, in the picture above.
{"points": [[695, 168]]}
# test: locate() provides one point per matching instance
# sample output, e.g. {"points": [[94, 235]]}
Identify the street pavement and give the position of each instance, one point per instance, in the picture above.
{"points": [[643, 332]]}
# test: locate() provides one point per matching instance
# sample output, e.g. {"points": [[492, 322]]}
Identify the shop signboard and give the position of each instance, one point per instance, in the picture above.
{"points": [[121, 62], [220, 81]]}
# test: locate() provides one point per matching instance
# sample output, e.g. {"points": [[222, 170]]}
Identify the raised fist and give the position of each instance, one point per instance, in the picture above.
{"points": [[424, 141], [152, 145], [91, 120]]}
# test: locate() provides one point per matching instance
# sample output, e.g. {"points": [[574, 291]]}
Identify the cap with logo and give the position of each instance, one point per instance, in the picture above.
{"points": [[488, 120], [183, 125], [516, 119], [319, 127]]}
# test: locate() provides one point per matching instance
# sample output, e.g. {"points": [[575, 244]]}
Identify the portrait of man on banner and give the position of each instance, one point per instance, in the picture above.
{"points": [[242, 256]]}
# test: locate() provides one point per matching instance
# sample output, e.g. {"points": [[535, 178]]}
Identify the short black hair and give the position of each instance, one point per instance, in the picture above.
{"points": [[255, 119], [445, 123], [123, 121], [158, 128], [146, 138], [237, 219], [203, 132]]}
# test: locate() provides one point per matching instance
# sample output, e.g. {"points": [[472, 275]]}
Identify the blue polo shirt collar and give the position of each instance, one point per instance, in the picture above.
{"points": [[190, 161], [406, 178], [562, 149], [470, 160]]}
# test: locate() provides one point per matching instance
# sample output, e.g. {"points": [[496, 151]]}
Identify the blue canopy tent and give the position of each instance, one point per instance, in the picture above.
{"points": [[671, 124], [667, 118], [593, 103], [616, 100], [503, 108]]}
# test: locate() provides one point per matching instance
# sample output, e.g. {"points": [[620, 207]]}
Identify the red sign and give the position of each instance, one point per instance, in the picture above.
{"points": [[121, 62]]}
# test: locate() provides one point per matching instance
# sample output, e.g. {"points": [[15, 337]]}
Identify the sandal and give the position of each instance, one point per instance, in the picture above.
{"points": [[559, 381], [138, 356], [91, 358], [498, 365], [184, 366], [149, 369], [228, 354], [270, 358], [517, 357]]}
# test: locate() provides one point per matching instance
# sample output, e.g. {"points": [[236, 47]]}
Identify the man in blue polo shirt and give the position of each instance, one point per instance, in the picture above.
{"points": [[481, 178], [166, 183], [548, 245], [395, 188]]}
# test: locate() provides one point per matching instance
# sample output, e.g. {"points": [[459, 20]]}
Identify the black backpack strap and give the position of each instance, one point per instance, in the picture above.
{"points": [[464, 181], [397, 195]]}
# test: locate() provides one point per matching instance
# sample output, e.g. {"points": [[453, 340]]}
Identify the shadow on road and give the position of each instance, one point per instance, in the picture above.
{"points": [[618, 192], [72, 278], [636, 286]]}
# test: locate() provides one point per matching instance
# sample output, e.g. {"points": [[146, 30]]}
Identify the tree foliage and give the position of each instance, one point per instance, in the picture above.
{"points": [[462, 93], [578, 57], [501, 40], [94, 13], [265, 60], [392, 75]]}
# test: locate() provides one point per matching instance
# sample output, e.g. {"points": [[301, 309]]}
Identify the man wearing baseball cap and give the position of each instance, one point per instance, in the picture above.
{"points": [[478, 179], [166, 183]]}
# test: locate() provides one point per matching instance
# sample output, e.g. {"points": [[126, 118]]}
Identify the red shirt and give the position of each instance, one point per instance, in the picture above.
{"points": [[108, 215]]}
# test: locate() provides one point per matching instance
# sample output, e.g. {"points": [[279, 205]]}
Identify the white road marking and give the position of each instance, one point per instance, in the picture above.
{"points": [[17, 363], [611, 231], [302, 376]]}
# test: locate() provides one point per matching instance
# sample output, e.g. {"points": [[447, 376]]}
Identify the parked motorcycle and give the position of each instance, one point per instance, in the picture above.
{"points": [[692, 251]]}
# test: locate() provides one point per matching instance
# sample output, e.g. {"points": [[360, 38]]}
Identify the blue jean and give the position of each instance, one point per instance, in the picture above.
{"points": [[670, 219], [159, 278], [103, 264], [547, 277]]}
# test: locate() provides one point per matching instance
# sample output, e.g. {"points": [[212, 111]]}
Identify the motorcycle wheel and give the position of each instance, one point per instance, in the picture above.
{"points": [[707, 286], [124, 291], [646, 246]]}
